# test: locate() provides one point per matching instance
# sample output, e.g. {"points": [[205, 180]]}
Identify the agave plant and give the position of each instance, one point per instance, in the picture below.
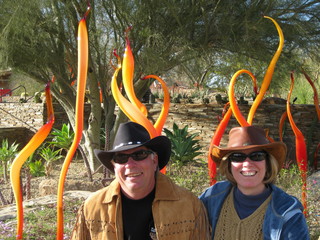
{"points": [[7, 154], [50, 156], [62, 138], [37, 168], [184, 145]]}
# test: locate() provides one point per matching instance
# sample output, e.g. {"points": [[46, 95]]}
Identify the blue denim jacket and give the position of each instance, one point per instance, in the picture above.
{"points": [[276, 225]]}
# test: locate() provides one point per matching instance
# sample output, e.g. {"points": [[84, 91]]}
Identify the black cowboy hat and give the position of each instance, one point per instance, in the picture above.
{"points": [[132, 135], [250, 137]]}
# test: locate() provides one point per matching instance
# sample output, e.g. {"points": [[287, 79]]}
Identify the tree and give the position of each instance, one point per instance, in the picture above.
{"points": [[39, 38]]}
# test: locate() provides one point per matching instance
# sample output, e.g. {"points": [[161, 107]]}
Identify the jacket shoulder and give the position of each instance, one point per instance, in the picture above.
{"points": [[283, 202], [102, 196], [222, 187]]}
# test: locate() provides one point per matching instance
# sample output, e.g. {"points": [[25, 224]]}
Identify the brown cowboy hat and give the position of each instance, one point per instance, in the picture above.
{"points": [[253, 138], [132, 135]]}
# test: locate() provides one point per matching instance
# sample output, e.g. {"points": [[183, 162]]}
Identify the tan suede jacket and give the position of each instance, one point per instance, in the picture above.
{"points": [[177, 213]]}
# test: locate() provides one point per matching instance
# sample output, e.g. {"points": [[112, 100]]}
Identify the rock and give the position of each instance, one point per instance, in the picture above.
{"points": [[10, 211], [47, 187], [50, 186], [77, 194], [83, 185]]}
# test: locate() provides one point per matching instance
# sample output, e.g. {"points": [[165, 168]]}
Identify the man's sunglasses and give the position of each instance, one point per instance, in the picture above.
{"points": [[140, 155], [254, 156]]}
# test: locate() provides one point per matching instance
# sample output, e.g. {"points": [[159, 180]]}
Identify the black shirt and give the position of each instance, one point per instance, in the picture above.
{"points": [[137, 217]]}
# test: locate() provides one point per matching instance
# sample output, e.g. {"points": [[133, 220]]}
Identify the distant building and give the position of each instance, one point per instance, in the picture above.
{"points": [[4, 83]]}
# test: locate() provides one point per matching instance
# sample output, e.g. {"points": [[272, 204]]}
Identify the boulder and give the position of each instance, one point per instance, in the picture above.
{"points": [[48, 187]]}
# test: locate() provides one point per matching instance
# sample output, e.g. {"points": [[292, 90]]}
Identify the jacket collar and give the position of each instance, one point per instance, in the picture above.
{"points": [[113, 192], [282, 202], [164, 189]]}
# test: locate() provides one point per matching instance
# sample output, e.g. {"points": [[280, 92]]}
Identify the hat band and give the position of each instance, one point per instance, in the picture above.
{"points": [[126, 144]]}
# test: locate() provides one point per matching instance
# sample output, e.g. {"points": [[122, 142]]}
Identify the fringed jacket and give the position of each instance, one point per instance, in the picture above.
{"points": [[177, 214]]}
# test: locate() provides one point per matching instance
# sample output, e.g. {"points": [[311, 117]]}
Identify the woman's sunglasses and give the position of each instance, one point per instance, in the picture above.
{"points": [[140, 155], [254, 156]]}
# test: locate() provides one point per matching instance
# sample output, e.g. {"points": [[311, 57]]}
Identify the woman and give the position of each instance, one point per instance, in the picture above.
{"points": [[249, 205]]}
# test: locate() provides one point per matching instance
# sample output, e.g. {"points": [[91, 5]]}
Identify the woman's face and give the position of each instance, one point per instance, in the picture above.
{"points": [[249, 174]]}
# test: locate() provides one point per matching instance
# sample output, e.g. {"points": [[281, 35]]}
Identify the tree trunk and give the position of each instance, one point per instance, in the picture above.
{"points": [[2, 199], [5, 174], [91, 133], [86, 163], [91, 130]]}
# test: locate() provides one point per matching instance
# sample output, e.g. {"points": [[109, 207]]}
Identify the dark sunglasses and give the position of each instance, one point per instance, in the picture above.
{"points": [[140, 155], [254, 156]]}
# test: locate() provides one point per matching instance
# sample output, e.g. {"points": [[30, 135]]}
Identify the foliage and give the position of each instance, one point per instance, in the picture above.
{"points": [[50, 156], [37, 97], [289, 177], [7, 154], [62, 138], [21, 79], [184, 145], [302, 91], [189, 176], [37, 168], [193, 176], [102, 137], [40, 40]]}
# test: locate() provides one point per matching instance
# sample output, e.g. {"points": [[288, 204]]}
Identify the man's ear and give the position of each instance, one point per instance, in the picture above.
{"points": [[155, 160]]}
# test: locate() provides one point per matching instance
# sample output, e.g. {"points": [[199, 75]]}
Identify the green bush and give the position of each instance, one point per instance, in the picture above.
{"points": [[37, 168], [62, 138], [7, 154], [184, 145], [289, 177], [50, 156]]}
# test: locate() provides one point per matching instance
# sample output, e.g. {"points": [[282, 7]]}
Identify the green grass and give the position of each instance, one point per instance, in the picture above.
{"points": [[41, 223], [289, 178]]}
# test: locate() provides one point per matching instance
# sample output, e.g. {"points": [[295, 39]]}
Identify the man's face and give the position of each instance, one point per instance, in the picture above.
{"points": [[136, 178]]}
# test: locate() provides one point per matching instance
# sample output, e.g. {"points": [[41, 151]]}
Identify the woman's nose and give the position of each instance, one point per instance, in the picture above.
{"points": [[247, 161]]}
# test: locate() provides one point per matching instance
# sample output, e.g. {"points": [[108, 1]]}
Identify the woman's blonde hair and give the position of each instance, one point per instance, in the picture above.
{"points": [[272, 169]]}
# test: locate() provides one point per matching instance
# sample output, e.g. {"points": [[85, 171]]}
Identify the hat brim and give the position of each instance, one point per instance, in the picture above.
{"points": [[277, 149], [161, 145]]}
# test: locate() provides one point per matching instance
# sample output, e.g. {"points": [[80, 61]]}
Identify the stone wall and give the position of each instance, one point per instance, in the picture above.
{"points": [[200, 118], [20, 121], [19, 135], [32, 115], [203, 119], [28, 115]]}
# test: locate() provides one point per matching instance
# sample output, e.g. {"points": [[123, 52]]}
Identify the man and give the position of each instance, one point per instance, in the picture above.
{"points": [[141, 203]]}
